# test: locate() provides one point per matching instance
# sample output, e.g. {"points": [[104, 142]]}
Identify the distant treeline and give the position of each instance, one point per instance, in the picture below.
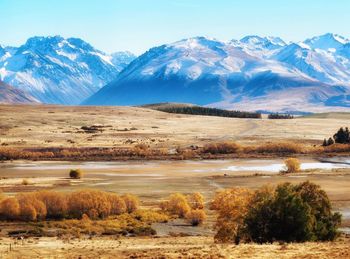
{"points": [[197, 110], [280, 116]]}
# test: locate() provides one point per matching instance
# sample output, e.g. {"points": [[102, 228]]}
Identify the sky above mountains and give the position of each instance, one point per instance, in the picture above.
{"points": [[137, 25]]}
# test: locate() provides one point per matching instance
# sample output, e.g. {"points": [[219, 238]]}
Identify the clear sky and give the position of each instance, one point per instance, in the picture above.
{"points": [[137, 25]]}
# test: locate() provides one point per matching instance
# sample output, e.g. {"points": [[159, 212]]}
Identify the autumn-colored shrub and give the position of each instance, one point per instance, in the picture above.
{"points": [[131, 202], [75, 173], [222, 148], [42, 205], [196, 217], [279, 148], [93, 203], [337, 148], [55, 202], [31, 208], [196, 200], [9, 208], [292, 165], [289, 213], [118, 205], [232, 206], [25, 182], [176, 204]]}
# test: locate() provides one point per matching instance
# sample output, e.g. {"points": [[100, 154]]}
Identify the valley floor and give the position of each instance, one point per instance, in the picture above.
{"points": [[33, 126]]}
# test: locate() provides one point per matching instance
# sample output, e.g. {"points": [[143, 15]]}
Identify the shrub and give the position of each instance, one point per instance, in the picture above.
{"points": [[196, 217], [222, 148], [25, 182], [196, 201], [131, 202], [281, 215], [55, 202], [289, 213], [75, 173], [232, 207], [176, 204], [118, 205], [93, 203], [280, 148], [292, 165], [9, 208], [31, 209]]}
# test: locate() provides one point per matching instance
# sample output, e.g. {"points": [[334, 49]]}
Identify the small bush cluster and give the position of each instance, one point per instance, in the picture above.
{"points": [[43, 205], [292, 165], [222, 148], [190, 207], [279, 148], [75, 173], [290, 213]]}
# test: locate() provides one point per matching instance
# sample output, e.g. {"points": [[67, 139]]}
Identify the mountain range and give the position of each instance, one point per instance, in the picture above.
{"points": [[254, 73], [59, 70]]}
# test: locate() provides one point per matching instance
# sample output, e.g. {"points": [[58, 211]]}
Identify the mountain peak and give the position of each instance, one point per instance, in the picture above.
{"points": [[328, 41]]}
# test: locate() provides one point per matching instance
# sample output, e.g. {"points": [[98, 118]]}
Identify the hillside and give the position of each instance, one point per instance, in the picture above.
{"points": [[10, 95]]}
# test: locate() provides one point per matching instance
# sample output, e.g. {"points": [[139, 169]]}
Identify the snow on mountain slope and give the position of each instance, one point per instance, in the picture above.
{"points": [[122, 59], [330, 42], [250, 74], [57, 70], [9, 94]]}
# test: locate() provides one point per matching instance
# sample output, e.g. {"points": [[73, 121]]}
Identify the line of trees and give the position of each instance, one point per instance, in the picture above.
{"points": [[280, 116], [341, 137], [197, 110]]}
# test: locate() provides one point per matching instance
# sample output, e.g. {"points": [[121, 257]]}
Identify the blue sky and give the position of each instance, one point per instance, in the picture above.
{"points": [[137, 25]]}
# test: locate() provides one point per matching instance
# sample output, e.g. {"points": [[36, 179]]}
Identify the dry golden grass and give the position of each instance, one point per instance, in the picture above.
{"points": [[61, 126], [174, 247]]}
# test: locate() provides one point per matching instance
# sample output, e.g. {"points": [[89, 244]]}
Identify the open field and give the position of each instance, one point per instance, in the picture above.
{"points": [[58, 126]]}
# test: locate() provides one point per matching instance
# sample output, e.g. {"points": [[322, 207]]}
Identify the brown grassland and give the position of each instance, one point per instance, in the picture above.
{"points": [[187, 160]]}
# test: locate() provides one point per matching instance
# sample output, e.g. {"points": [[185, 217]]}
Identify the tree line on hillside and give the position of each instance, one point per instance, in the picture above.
{"points": [[341, 137], [197, 110], [280, 116]]}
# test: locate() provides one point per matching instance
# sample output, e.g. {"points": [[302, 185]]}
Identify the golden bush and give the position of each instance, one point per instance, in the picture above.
{"points": [[292, 165], [30, 207], [118, 205], [279, 148], [196, 217], [55, 202], [176, 204], [232, 206], [131, 202], [196, 200], [93, 203], [227, 147], [9, 208]]}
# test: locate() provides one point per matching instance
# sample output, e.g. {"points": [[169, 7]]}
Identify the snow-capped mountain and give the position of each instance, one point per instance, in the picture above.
{"points": [[9, 94], [58, 70], [254, 73], [122, 59]]}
